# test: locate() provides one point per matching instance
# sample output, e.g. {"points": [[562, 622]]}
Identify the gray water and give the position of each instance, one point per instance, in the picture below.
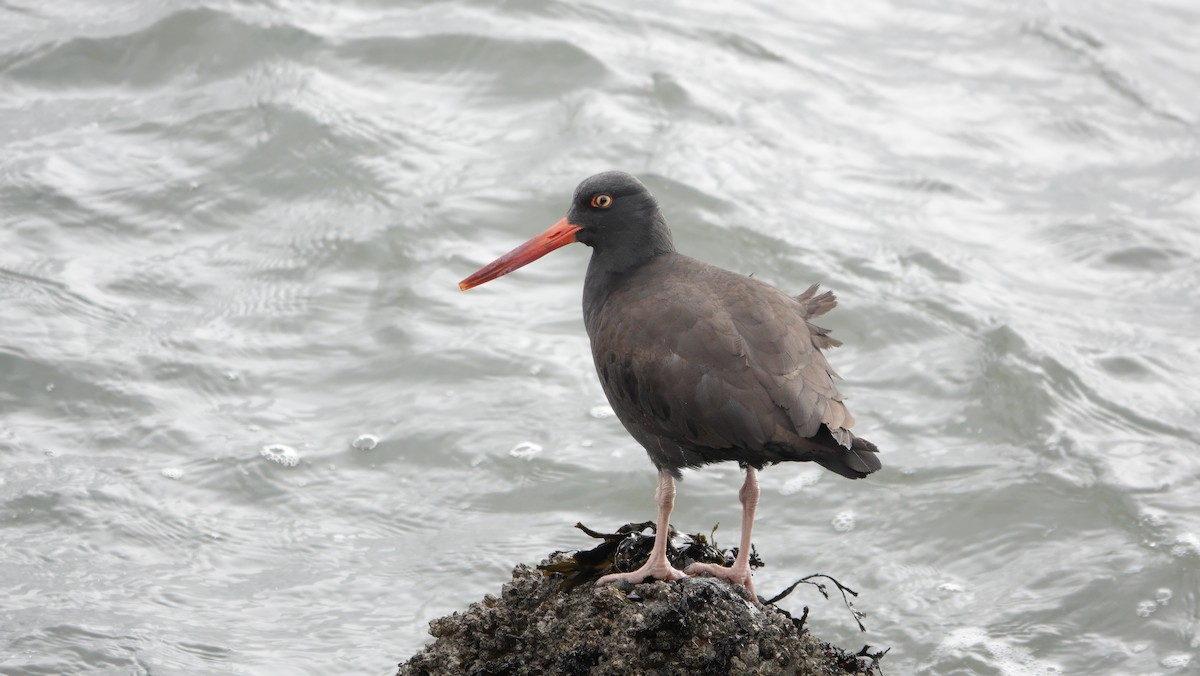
{"points": [[230, 226]]}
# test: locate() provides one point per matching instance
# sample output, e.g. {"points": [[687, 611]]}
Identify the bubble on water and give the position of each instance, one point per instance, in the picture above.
{"points": [[536, 369], [843, 522], [366, 442], [284, 455], [525, 450], [1163, 596], [1176, 661], [1146, 608], [231, 376], [50, 387], [172, 473], [952, 587], [602, 412], [800, 482]]}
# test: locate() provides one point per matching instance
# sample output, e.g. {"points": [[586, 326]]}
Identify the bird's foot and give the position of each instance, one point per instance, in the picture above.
{"points": [[658, 570], [735, 573]]}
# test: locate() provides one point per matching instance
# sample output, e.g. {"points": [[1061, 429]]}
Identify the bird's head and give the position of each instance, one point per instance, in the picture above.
{"points": [[612, 212]]}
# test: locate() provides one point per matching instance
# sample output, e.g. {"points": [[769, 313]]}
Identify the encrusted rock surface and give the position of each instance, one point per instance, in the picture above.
{"points": [[693, 626]]}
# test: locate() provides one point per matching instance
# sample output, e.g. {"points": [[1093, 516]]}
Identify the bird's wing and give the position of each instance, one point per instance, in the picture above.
{"points": [[711, 359], [788, 358]]}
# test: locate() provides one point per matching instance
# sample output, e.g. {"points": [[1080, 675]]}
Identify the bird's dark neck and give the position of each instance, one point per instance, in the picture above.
{"points": [[613, 263]]}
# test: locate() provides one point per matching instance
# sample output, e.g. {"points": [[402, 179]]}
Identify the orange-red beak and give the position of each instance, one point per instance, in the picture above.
{"points": [[560, 234]]}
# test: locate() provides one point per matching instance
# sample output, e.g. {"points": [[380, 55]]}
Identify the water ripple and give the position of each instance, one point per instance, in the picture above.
{"points": [[175, 47], [228, 226]]}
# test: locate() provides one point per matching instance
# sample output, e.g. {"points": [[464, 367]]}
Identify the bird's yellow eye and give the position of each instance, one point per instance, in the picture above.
{"points": [[602, 201]]}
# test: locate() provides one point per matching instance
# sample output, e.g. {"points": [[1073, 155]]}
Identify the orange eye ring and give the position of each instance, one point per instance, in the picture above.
{"points": [[602, 201]]}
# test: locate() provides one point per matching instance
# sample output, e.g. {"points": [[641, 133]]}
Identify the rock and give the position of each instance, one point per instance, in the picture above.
{"points": [[693, 626]]}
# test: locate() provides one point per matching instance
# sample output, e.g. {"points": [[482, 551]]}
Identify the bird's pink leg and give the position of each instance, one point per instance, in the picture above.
{"points": [[657, 566], [739, 572]]}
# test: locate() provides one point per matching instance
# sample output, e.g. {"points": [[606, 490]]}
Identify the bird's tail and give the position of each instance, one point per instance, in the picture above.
{"points": [[855, 462]]}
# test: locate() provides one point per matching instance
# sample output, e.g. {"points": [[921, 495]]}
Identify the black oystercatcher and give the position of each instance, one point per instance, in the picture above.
{"points": [[700, 364]]}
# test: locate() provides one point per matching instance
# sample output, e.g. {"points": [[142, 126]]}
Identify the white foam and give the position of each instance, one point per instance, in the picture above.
{"points": [[843, 522], [525, 450], [1006, 658], [1186, 545], [800, 482], [1176, 661], [284, 455], [365, 442]]}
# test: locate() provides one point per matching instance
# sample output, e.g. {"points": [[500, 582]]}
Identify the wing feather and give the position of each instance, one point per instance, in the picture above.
{"points": [[697, 361]]}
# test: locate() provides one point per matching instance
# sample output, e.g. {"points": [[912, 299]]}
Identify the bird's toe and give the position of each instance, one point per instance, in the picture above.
{"points": [[647, 572], [734, 574]]}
